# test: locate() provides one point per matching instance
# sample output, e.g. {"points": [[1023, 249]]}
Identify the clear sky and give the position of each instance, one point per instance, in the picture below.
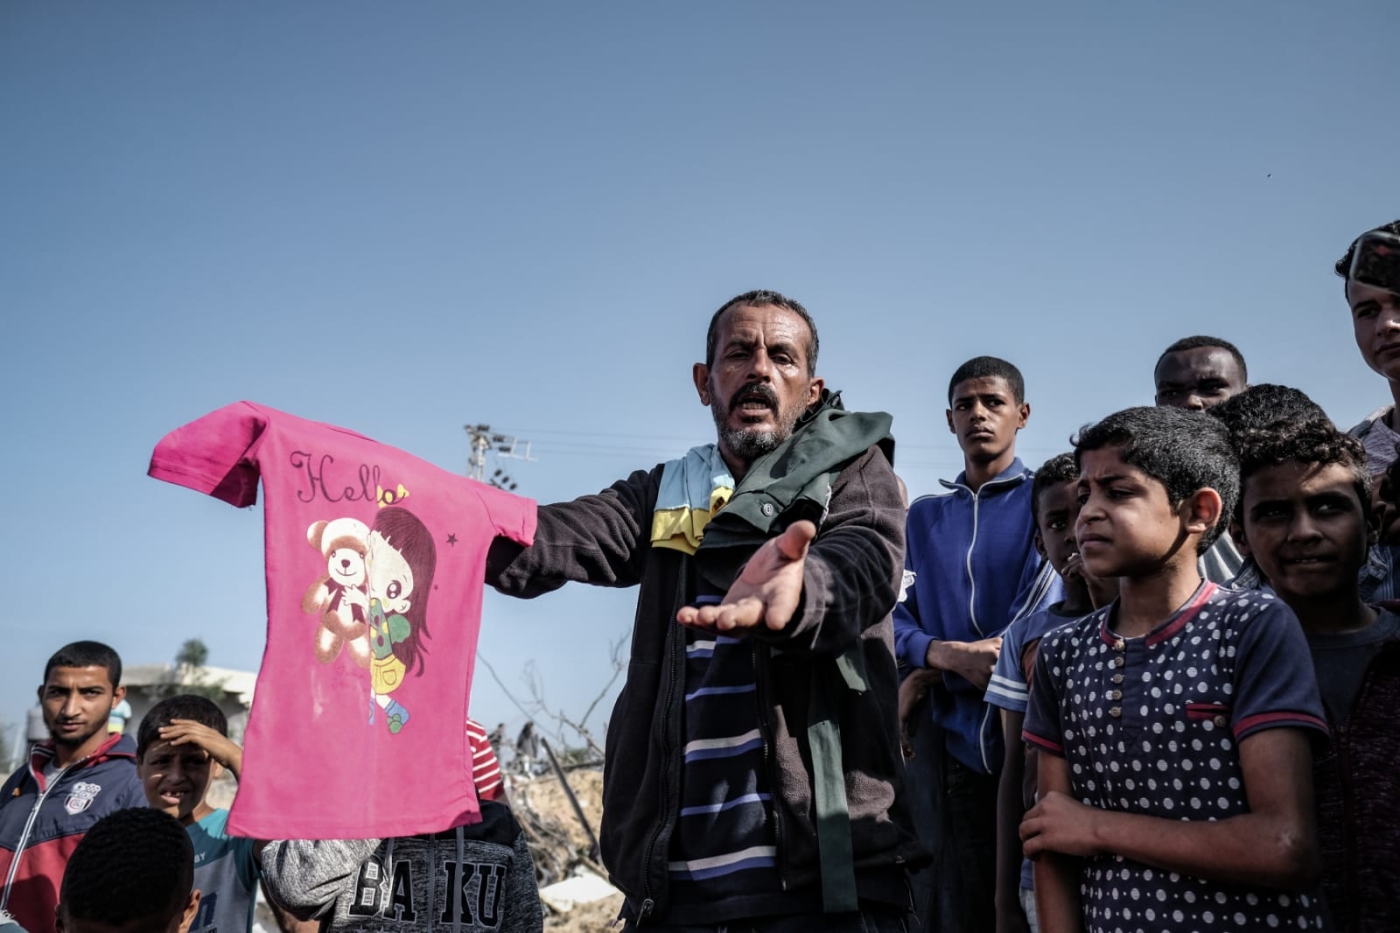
{"points": [[405, 218]]}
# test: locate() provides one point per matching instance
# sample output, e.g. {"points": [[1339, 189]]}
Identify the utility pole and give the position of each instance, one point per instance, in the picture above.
{"points": [[483, 441]]}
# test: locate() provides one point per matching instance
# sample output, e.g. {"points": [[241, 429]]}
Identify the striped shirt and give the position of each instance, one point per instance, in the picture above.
{"points": [[486, 768], [723, 856]]}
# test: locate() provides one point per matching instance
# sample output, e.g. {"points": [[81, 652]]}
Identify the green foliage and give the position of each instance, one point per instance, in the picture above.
{"points": [[190, 676]]}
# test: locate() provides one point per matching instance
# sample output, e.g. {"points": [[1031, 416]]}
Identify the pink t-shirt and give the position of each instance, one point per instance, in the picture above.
{"points": [[375, 564]]}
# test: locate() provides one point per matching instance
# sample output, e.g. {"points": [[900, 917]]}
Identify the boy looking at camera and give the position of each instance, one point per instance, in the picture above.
{"points": [[1307, 520], [182, 747], [970, 568], [1181, 713]]}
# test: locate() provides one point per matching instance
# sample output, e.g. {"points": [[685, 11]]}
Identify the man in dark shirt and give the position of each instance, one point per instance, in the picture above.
{"points": [[753, 771]]}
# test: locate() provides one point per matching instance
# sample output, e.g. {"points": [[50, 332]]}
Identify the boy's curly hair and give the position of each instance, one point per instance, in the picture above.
{"points": [[133, 864], [1183, 450], [1261, 406], [1314, 441]]}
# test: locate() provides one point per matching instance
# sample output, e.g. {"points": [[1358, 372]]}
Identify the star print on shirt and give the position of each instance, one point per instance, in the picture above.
{"points": [[451, 539]]}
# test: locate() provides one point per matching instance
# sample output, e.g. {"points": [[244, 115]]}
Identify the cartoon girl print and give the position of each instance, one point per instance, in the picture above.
{"points": [[399, 560]]}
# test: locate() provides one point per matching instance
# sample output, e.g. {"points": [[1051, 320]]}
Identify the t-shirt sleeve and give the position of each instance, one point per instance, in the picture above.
{"points": [[214, 454], [486, 767], [1007, 689], [1043, 728], [245, 862], [1274, 682], [512, 516]]}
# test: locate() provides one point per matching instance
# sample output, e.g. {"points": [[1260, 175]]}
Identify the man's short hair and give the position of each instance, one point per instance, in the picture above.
{"points": [[132, 864], [1199, 341], [182, 706], [1183, 450], [989, 367], [1343, 266], [761, 298], [86, 654], [1056, 470], [1259, 407], [1316, 441]]}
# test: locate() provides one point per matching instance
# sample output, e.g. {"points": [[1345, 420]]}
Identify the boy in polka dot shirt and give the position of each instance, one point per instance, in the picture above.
{"points": [[1175, 723], [1307, 521]]}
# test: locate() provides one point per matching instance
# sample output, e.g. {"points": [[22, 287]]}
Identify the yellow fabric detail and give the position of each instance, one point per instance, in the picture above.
{"points": [[386, 674], [682, 529]]}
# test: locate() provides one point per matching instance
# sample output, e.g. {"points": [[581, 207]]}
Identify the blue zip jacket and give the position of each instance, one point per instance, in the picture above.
{"points": [[970, 567]]}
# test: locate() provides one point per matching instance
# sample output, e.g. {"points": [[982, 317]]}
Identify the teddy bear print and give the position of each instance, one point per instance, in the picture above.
{"points": [[342, 542]]}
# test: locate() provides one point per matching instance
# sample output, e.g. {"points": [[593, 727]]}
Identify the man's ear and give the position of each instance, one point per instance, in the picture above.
{"points": [[1040, 545], [951, 428], [814, 391], [701, 374], [1024, 414], [118, 695], [1201, 510], [191, 908]]}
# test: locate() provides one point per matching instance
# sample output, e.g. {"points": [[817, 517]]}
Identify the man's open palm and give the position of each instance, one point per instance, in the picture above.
{"points": [[768, 589]]}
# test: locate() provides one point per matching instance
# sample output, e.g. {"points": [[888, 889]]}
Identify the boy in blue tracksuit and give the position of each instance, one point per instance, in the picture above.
{"points": [[970, 568]]}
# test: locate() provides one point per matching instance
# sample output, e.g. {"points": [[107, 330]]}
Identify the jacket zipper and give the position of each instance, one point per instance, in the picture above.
{"points": [[648, 901], [976, 501], [971, 580], [29, 825]]}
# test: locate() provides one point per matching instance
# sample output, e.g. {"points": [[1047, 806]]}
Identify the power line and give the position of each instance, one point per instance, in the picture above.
{"points": [[503, 446]]}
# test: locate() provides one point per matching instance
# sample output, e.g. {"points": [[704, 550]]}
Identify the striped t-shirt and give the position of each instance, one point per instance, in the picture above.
{"points": [[723, 856], [486, 767]]}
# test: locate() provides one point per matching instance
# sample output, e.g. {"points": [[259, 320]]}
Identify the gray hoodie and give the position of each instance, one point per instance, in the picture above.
{"points": [[404, 884]]}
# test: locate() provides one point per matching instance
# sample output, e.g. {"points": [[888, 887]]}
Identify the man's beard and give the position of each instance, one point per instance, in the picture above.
{"points": [[748, 444]]}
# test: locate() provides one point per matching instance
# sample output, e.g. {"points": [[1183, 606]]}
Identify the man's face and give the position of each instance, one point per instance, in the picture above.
{"points": [[985, 416], [1127, 526], [757, 386], [77, 702], [1056, 512], [1305, 527], [1375, 322], [176, 778], [1198, 379]]}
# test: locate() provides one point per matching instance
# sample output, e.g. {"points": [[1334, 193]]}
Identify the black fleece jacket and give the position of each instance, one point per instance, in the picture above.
{"points": [[850, 584]]}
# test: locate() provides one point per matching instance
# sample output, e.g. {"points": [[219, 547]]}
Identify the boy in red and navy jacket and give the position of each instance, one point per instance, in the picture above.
{"points": [[73, 780]]}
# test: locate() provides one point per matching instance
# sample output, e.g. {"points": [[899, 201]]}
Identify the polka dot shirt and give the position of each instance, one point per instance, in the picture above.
{"points": [[1151, 725]]}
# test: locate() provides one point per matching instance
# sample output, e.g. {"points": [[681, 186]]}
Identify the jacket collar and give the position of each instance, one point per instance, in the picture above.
{"points": [[116, 746], [1014, 473]]}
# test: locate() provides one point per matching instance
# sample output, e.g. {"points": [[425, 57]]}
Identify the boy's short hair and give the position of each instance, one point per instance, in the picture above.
{"points": [[86, 654], [1316, 441], [1183, 450], [989, 367], [1058, 469], [1262, 406], [183, 706], [1199, 341], [1343, 265], [131, 864]]}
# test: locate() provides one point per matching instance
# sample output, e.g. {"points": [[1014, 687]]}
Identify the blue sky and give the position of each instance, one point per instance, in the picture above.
{"points": [[403, 219]]}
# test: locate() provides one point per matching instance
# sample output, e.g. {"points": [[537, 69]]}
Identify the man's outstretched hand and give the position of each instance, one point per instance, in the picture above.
{"points": [[768, 589]]}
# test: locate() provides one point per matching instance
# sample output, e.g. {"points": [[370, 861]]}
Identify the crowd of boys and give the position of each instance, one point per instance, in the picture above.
{"points": [[1148, 686]]}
